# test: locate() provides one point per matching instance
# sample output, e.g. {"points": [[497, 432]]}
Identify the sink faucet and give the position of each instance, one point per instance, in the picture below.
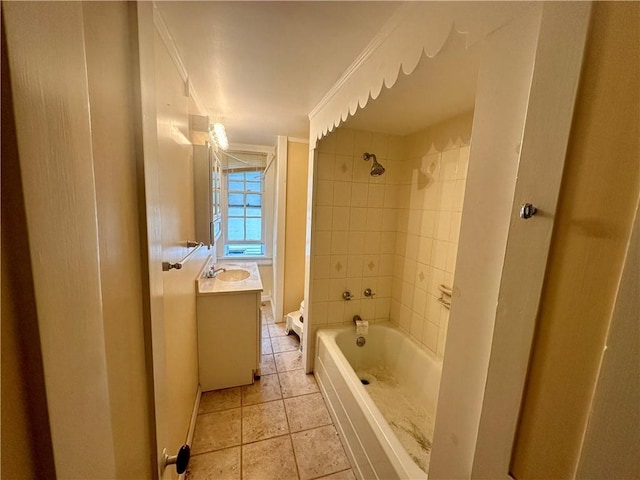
{"points": [[213, 272]]}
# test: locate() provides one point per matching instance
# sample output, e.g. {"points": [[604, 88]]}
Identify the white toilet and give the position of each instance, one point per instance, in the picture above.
{"points": [[295, 322]]}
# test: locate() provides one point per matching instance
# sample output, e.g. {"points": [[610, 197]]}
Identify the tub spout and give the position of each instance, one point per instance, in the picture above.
{"points": [[356, 319]]}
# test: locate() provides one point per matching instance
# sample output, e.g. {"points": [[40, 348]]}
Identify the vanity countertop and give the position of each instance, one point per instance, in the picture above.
{"points": [[216, 286]]}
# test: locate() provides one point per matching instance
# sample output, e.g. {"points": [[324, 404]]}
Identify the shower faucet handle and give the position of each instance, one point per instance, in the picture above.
{"points": [[368, 293], [347, 295]]}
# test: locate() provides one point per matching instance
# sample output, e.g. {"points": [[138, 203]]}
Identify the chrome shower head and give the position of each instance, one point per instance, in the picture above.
{"points": [[376, 168]]}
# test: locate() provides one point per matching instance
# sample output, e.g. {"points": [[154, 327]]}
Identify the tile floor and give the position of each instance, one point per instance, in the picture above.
{"points": [[277, 428]]}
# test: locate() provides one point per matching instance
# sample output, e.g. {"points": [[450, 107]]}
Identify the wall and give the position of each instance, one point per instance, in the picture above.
{"points": [[429, 217], [354, 226], [593, 222], [175, 173], [295, 220], [396, 234]]}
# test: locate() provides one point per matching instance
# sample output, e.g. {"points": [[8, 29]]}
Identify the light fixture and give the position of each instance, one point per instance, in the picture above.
{"points": [[219, 135]]}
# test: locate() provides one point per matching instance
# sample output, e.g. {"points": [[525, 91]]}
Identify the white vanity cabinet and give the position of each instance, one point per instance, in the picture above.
{"points": [[229, 329]]}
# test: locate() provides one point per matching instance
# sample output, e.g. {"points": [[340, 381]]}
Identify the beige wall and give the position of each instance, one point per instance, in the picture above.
{"points": [[175, 173], [597, 203], [295, 224]]}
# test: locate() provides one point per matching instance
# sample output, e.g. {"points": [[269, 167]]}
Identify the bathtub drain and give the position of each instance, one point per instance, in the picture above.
{"points": [[360, 341]]}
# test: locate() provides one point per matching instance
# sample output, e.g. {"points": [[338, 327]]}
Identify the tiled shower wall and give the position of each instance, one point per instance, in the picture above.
{"points": [[427, 240], [396, 234], [355, 224]]}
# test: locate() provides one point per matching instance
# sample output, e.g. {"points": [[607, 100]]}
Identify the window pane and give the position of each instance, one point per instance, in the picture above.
{"points": [[254, 200], [236, 186], [236, 211], [254, 176], [254, 229], [236, 229], [254, 212], [236, 200], [236, 177], [254, 186]]}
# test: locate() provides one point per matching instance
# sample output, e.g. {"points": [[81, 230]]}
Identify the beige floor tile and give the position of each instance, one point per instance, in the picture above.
{"points": [[286, 361], [219, 400], [277, 330], [284, 344], [266, 389], [267, 365], [263, 421], [344, 475], [266, 346], [269, 460], [265, 331], [222, 464], [296, 382], [218, 430], [319, 452], [306, 411]]}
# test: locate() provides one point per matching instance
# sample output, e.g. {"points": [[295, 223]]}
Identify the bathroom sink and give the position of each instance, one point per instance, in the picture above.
{"points": [[235, 275]]}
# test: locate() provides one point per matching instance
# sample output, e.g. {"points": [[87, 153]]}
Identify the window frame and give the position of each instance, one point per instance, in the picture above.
{"points": [[227, 191]]}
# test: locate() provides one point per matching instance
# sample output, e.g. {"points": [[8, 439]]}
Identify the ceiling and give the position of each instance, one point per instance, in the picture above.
{"points": [[261, 67]]}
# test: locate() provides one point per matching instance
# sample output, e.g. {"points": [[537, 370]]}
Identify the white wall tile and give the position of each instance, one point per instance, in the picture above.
{"points": [[374, 219], [430, 336], [354, 265], [343, 168], [342, 194], [322, 243], [417, 323], [375, 197], [336, 287], [321, 290], [323, 217], [319, 312], [335, 311], [340, 219], [325, 166], [362, 143], [358, 219], [338, 266], [370, 265], [359, 194], [321, 266], [324, 195], [340, 243], [356, 243], [372, 243], [388, 242]]}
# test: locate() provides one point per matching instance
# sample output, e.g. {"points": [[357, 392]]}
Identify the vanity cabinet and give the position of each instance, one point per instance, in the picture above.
{"points": [[229, 329]]}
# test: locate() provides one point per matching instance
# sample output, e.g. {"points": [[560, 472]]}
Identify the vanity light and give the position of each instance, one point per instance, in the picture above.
{"points": [[220, 135]]}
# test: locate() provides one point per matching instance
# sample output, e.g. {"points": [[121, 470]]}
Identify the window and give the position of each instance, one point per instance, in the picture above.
{"points": [[245, 232]]}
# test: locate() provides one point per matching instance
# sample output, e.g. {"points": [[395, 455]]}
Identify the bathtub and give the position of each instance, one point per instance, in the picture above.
{"points": [[387, 425]]}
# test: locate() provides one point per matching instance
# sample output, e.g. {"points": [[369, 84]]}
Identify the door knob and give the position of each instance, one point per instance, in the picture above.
{"points": [[527, 211], [181, 460]]}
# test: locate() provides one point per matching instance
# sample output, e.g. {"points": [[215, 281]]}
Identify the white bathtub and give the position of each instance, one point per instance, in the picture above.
{"points": [[406, 382]]}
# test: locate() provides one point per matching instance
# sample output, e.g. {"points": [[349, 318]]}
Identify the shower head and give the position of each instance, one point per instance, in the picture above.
{"points": [[376, 168]]}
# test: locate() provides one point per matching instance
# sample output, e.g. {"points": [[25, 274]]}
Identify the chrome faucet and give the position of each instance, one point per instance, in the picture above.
{"points": [[212, 273]]}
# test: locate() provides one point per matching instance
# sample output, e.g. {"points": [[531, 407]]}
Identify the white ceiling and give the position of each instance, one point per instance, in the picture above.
{"points": [[261, 67]]}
